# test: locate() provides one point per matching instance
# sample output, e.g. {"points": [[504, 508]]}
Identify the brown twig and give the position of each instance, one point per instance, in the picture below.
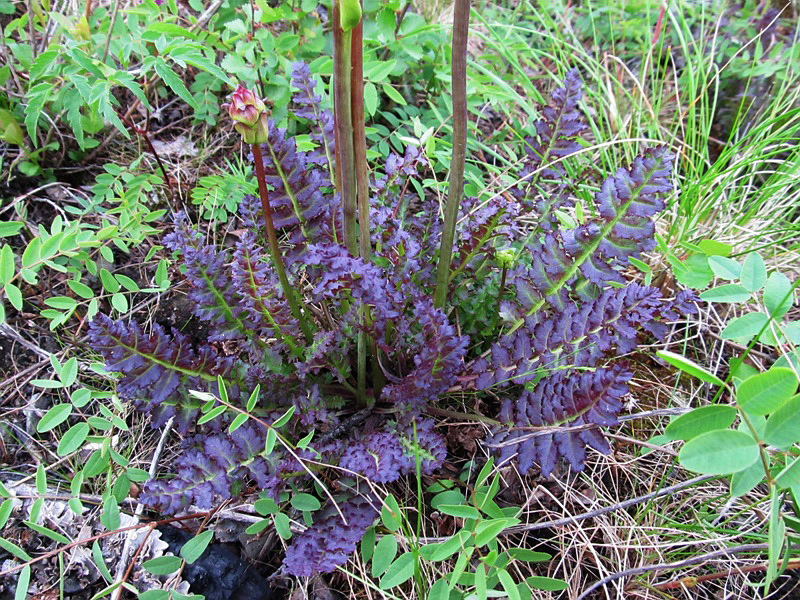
{"points": [[673, 565], [103, 535], [692, 581]]}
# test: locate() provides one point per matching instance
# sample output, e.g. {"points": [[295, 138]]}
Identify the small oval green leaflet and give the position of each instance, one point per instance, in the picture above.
{"points": [[382, 557], [754, 272], [54, 417], [486, 531], [73, 439], [390, 513], [719, 452], [162, 565], [766, 392], [781, 429], [526, 555], [724, 267], [546, 583], [730, 292], [460, 510], [282, 525], [399, 571], [194, 548], [23, 582], [744, 481], [699, 421], [305, 502], [744, 327], [790, 476], [689, 367], [778, 295]]}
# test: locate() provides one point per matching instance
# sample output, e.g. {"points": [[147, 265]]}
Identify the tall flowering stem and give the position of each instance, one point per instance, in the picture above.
{"points": [[343, 117], [456, 188], [249, 114], [274, 249]]}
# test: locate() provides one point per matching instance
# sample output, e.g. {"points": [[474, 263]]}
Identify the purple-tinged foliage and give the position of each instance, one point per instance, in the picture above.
{"points": [[338, 276], [563, 399], [481, 222], [330, 541], [216, 466], [625, 203], [385, 456], [566, 323], [302, 204], [306, 104], [157, 369], [558, 131], [264, 311], [579, 336], [210, 287], [437, 362], [377, 456]]}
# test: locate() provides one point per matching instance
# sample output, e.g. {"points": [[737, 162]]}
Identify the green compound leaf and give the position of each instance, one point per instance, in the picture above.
{"points": [[754, 272], [399, 571], [382, 557], [731, 292], [765, 393], [699, 421], [782, 428], [719, 452], [745, 326]]}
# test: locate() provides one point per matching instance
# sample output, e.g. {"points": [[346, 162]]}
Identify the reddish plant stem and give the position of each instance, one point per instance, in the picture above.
{"points": [[343, 123], [275, 251], [167, 180], [456, 188]]}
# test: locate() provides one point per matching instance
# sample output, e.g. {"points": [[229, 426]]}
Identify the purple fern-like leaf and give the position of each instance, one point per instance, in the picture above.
{"points": [[157, 369], [565, 400], [330, 541]]}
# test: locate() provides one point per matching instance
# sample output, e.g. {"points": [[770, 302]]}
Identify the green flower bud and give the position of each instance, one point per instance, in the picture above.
{"points": [[349, 14], [505, 258]]}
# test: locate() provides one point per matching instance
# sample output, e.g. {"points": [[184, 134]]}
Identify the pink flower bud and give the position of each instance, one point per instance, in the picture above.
{"points": [[250, 115]]}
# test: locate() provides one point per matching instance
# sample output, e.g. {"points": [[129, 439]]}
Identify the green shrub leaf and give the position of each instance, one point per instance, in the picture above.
{"points": [[754, 272], [699, 421], [719, 452], [399, 571], [765, 393], [782, 428]]}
